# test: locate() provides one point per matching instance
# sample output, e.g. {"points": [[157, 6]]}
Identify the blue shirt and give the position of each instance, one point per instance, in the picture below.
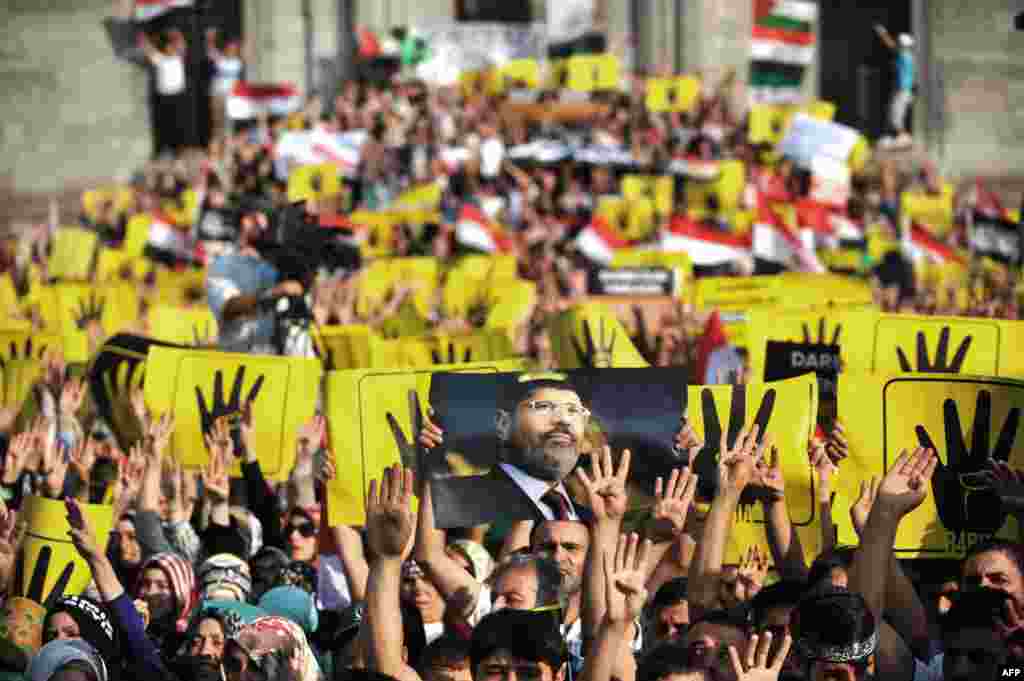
{"points": [[235, 275], [905, 70]]}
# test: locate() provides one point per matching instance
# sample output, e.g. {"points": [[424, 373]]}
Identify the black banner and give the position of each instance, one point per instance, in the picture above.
{"points": [[788, 360], [633, 281]]}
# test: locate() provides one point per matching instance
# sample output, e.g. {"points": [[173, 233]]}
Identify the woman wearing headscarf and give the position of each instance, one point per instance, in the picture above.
{"points": [[65, 655], [201, 654], [166, 585], [276, 648], [224, 577], [77, 617]]}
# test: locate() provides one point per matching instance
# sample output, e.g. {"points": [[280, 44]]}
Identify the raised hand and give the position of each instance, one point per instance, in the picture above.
{"points": [[939, 366], [824, 468], [311, 436], [836, 445], [963, 495], [83, 458], [753, 570], [390, 520], [18, 451], [768, 477], [10, 542], [599, 354], [625, 576], [139, 408], [84, 539], [905, 484], [606, 485], [1009, 485], [861, 508], [758, 664], [737, 465], [158, 434], [71, 396], [53, 464], [215, 475], [668, 519], [231, 406]]}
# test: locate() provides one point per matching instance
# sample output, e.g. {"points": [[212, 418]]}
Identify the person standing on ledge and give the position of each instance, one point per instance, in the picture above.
{"points": [[903, 96]]}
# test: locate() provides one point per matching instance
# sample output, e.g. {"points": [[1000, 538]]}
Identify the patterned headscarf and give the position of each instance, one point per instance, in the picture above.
{"points": [[183, 583], [272, 642], [231, 623]]}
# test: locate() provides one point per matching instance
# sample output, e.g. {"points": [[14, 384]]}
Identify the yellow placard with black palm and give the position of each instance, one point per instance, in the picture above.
{"points": [[200, 386], [948, 345], [193, 326], [852, 328], [49, 566], [672, 94], [74, 253], [371, 420], [113, 306], [787, 412], [593, 73], [969, 421], [589, 335]]}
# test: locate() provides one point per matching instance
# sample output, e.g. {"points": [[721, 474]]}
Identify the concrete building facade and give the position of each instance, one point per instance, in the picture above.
{"points": [[74, 112]]}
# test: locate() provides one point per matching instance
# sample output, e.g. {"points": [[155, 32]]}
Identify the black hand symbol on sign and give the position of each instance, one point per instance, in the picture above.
{"points": [[821, 333], [599, 355], [89, 310], [232, 407], [26, 352], [34, 591], [204, 339], [924, 366], [963, 495], [648, 348], [452, 355], [706, 463]]}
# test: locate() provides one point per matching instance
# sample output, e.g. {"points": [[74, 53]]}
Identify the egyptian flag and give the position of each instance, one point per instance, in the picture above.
{"points": [[922, 247], [147, 10], [249, 100], [997, 238], [706, 247], [475, 231], [778, 247], [598, 241], [782, 46]]}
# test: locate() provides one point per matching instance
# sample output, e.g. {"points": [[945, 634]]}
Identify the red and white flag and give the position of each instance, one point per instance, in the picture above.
{"points": [[475, 230], [164, 236], [249, 100], [598, 241], [147, 10], [776, 242], [921, 246], [706, 247]]}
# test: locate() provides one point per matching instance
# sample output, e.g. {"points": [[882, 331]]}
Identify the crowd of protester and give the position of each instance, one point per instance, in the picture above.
{"points": [[208, 576]]}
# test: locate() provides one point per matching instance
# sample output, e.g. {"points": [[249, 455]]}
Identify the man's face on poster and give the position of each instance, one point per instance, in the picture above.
{"points": [[545, 432]]}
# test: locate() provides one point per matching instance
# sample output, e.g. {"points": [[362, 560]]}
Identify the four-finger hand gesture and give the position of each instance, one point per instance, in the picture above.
{"points": [[215, 476], [668, 519], [769, 478], [758, 664], [606, 486], [390, 520], [18, 451], [905, 484], [72, 395], [753, 570], [625, 576], [736, 466]]}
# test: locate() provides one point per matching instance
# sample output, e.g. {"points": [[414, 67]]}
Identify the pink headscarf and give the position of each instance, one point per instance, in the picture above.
{"points": [[279, 647]]}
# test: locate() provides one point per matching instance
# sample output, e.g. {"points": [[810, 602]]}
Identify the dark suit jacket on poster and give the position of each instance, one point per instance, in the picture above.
{"points": [[469, 501]]}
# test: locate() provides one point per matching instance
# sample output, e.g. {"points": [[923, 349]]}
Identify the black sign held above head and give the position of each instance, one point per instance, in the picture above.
{"points": [[633, 281], [788, 360]]}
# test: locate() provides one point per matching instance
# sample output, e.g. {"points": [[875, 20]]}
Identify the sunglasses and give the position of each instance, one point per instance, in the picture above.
{"points": [[305, 529]]}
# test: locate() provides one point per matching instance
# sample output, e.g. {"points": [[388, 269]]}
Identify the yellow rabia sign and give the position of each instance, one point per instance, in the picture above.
{"points": [[968, 420]]}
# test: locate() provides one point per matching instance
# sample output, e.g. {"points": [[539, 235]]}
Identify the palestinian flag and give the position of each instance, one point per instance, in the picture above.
{"points": [[782, 46], [474, 230], [249, 100], [147, 10], [921, 246], [778, 247], [706, 247], [598, 241]]}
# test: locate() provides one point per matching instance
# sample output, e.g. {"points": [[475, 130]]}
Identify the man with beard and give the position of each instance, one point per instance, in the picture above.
{"points": [[540, 426]]}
